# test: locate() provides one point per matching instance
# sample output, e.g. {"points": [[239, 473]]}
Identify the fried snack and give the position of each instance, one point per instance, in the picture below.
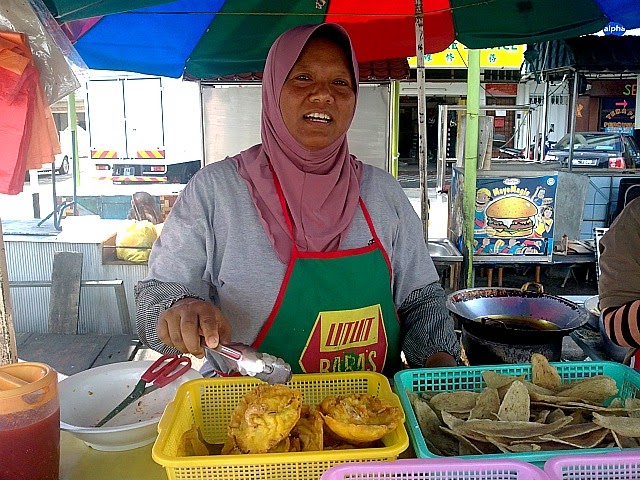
{"points": [[230, 447], [330, 441], [282, 447], [360, 417], [593, 389], [430, 426], [544, 374], [263, 418], [515, 415], [192, 444], [307, 435], [487, 404], [454, 402], [515, 405]]}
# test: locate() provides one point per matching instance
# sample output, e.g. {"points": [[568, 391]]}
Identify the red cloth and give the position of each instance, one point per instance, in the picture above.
{"points": [[28, 136]]}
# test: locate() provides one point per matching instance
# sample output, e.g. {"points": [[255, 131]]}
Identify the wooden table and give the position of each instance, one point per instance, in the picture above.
{"points": [[69, 354], [572, 261]]}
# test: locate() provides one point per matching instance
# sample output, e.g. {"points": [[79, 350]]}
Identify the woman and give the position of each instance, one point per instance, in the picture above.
{"points": [[619, 280], [293, 245]]}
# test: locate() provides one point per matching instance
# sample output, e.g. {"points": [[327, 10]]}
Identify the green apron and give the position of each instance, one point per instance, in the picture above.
{"points": [[335, 311]]}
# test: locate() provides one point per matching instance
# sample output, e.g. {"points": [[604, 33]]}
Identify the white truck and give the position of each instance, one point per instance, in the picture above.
{"points": [[144, 129], [231, 119], [158, 129]]}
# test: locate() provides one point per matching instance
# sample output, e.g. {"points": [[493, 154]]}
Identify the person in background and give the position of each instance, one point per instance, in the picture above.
{"points": [[144, 207], [619, 280], [294, 246]]}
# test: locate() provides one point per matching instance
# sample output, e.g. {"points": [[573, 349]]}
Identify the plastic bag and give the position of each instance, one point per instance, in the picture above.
{"points": [[139, 237], [52, 51]]}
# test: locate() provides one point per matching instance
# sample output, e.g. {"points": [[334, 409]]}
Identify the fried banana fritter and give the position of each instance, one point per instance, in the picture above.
{"points": [[263, 419], [307, 435], [360, 417]]}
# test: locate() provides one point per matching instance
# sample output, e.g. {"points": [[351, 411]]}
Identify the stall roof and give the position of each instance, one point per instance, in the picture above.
{"points": [[592, 54], [375, 71]]}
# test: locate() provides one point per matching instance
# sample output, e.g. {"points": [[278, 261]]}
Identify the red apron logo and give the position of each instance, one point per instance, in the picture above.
{"points": [[346, 340]]}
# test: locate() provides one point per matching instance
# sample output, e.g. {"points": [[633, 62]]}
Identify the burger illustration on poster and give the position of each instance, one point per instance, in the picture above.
{"points": [[511, 216]]}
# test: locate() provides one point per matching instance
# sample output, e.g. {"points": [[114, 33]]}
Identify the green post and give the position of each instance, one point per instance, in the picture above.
{"points": [[471, 159], [394, 96], [73, 120]]}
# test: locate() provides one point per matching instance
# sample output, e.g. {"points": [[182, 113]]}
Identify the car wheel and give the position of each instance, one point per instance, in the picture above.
{"points": [[64, 166]]}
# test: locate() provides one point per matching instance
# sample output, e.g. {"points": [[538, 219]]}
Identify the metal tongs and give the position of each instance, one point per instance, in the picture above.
{"points": [[248, 361]]}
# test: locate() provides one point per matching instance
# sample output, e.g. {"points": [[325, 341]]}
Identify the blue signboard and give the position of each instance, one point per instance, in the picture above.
{"points": [[617, 114], [514, 216]]}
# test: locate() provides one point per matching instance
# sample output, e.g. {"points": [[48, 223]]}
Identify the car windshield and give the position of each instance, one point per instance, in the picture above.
{"points": [[591, 141]]}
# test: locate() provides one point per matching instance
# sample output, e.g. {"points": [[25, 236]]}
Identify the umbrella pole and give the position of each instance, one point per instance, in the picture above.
{"points": [[422, 122], [545, 119], [471, 159], [636, 123], [58, 210], [71, 99], [574, 109], [394, 114]]}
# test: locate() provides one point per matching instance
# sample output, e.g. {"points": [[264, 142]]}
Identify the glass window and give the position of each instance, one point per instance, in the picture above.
{"points": [[591, 141], [632, 146]]}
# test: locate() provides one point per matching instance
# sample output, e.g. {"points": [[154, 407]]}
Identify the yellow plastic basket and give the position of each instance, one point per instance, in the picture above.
{"points": [[209, 402]]}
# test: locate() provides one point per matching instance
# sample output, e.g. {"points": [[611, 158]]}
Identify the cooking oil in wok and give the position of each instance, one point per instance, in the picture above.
{"points": [[515, 322]]}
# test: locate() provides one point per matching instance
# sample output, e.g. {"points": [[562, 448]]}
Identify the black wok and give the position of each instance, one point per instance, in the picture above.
{"points": [[507, 325]]}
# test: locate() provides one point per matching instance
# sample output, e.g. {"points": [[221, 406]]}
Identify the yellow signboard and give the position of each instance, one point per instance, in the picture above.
{"points": [[509, 57]]}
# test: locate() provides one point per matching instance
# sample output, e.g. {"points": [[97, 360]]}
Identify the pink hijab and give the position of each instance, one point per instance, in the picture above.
{"points": [[321, 187]]}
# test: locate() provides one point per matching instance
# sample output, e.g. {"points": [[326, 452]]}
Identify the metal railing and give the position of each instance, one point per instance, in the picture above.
{"points": [[117, 285]]}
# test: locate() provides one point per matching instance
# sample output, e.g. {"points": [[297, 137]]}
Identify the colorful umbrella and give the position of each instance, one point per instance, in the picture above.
{"points": [[207, 39], [213, 38]]}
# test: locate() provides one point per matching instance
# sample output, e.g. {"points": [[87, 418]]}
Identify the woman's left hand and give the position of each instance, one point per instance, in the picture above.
{"points": [[440, 359]]}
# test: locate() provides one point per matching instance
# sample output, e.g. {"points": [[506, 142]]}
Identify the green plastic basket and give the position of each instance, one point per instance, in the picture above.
{"points": [[470, 378]]}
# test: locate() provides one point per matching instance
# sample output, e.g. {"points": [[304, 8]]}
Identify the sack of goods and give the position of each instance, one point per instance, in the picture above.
{"points": [[137, 237]]}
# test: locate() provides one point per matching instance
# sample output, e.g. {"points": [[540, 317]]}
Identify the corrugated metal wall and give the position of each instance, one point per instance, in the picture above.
{"points": [[33, 260]]}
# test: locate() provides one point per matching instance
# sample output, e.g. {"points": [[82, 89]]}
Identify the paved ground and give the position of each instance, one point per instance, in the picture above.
{"points": [[409, 175]]}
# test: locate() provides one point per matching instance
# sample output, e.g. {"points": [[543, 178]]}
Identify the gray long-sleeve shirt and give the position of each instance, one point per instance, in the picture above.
{"points": [[213, 246]]}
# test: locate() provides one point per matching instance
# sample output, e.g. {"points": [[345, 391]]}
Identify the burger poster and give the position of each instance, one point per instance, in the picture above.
{"points": [[514, 216]]}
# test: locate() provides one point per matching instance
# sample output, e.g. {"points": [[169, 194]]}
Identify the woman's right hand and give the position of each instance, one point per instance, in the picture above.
{"points": [[188, 321]]}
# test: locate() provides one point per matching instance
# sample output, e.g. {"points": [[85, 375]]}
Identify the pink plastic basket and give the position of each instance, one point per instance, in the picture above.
{"points": [[609, 466], [436, 469]]}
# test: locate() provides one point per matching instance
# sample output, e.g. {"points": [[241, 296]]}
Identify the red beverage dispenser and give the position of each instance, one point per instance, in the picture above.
{"points": [[29, 422]]}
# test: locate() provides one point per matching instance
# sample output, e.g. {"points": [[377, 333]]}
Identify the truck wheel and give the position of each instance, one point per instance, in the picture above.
{"points": [[189, 172], [182, 173], [64, 166]]}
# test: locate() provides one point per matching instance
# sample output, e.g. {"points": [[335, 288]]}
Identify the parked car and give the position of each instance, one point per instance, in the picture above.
{"points": [[63, 160], [61, 164], [597, 150]]}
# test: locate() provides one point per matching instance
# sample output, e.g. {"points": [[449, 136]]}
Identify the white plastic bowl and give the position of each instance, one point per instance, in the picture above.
{"points": [[86, 397]]}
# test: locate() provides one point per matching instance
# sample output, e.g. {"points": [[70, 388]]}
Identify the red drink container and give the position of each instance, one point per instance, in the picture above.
{"points": [[29, 422]]}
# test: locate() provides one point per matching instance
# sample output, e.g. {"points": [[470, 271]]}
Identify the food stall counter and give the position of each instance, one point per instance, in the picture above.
{"points": [[79, 462]]}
